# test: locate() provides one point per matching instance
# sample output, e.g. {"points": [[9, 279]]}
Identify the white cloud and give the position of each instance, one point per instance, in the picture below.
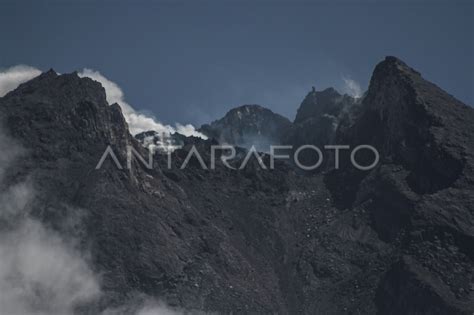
{"points": [[12, 77], [351, 87], [137, 122]]}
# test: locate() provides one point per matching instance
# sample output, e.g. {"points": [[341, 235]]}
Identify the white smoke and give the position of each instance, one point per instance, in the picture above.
{"points": [[11, 78], [40, 272], [138, 122], [351, 87]]}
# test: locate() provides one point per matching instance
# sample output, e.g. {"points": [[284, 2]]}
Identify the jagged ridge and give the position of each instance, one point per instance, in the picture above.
{"points": [[395, 240]]}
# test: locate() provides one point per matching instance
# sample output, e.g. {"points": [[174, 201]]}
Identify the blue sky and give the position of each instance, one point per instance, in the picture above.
{"points": [[191, 61]]}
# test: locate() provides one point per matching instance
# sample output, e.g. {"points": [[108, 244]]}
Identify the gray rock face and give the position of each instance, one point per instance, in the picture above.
{"points": [[249, 125], [395, 240]]}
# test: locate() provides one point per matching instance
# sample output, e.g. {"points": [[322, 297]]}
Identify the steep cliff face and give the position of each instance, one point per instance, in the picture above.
{"points": [[249, 125], [414, 123], [396, 239], [62, 122], [421, 194]]}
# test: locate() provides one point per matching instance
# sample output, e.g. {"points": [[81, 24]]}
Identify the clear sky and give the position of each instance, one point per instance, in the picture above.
{"points": [[191, 61]]}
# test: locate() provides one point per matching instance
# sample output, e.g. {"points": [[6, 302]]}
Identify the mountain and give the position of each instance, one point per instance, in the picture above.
{"points": [[420, 196], [249, 125], [395, 239], [322, 103], [317, 120]]}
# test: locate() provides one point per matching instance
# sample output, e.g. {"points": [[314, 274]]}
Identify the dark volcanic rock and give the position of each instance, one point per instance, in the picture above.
{"points": [[320, 103], [317, 120], [421, 194], [397, 239], [318, 117]]}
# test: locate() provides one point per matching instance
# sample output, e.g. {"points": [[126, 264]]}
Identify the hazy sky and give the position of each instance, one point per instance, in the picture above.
{"points": [[191, 61]]}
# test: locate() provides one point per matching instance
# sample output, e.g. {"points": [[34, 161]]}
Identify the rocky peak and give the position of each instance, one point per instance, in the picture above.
{"points": [[325, 102], [394, 65], [69, 88], [413, 122], [251, 114], [422, 185], [63, 109], [248, 125], [317, 120]]}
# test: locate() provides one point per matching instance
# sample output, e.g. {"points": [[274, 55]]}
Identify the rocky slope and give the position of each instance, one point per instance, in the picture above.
{"points": [[396, 239]]}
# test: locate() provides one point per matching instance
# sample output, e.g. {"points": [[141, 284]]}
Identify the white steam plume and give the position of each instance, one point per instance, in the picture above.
{"points": [[137, 122], [351, 87], [12, 77]]}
